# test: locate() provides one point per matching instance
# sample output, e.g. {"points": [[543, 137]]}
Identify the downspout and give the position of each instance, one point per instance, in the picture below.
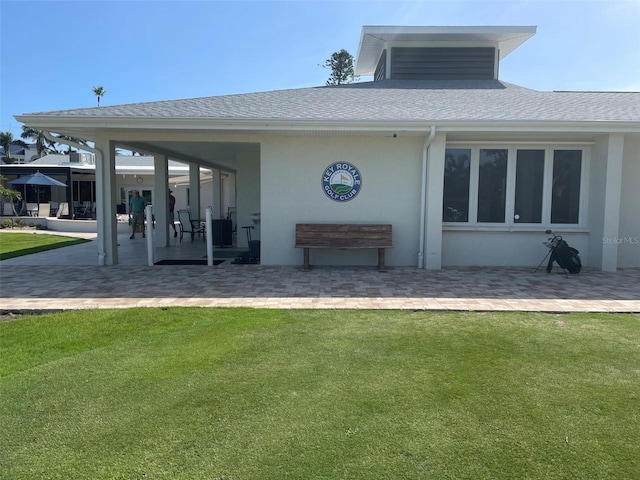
{"points": [[423, 193], [99, 193]]}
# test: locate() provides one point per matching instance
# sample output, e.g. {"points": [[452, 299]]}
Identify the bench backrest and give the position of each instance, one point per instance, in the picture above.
{"points": [[343, 235]]}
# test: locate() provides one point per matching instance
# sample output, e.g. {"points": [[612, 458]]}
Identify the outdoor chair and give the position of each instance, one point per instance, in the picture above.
{"points": [[189, 225], [8, 209], [32, 209], [44, 209], [83, 211], [63, 210], [54, 209]]}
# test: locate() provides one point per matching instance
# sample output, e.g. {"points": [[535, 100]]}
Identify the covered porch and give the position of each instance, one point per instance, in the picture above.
{"points": [[196, 151]]}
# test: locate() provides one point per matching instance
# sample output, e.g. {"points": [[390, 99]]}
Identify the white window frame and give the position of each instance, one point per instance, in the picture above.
{"points": [[512, 148]]}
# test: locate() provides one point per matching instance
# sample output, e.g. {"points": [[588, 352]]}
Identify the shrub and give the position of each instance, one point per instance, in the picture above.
{"points": [[13, 223]]}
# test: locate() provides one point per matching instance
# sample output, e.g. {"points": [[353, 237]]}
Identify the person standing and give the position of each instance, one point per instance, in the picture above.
{"points": [[136, 210], [172, 205]]}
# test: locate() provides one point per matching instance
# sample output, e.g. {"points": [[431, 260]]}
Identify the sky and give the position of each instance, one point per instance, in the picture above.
{"points": [[53, 52]]}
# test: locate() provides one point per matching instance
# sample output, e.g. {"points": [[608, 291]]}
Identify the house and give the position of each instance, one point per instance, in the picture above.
{"points": [[20, 153], [469, 169], [133, 172]]}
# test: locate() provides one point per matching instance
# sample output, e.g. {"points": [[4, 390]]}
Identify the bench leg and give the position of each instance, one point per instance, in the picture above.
{"points": [[306, 258], [381, 266]]}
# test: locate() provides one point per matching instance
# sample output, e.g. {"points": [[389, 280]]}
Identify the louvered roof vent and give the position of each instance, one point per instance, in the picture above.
{"points": [[411, 53]]}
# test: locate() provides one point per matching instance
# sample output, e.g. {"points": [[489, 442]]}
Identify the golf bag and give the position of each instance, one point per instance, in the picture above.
{"points": [[251, 257], [564, 255]]}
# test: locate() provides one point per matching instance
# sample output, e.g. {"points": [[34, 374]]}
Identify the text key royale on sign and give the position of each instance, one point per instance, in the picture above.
{"points": [[341, 181]]}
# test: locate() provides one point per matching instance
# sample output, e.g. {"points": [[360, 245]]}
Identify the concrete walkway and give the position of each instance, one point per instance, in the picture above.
{"points": [[69, 278]]}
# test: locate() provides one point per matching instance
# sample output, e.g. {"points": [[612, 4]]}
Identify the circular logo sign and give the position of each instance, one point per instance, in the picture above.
{"points": [[341, 181]]}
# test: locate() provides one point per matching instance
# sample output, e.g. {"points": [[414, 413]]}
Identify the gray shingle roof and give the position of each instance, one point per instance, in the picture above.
{"points": [[18, 149], [51, 159], [389, 100]]}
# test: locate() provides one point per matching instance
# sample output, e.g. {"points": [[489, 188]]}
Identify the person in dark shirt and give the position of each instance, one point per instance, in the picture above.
{"points": [[171, 218]]}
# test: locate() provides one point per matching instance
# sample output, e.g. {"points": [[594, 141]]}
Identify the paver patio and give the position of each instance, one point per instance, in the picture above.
{"points": [[68, 278]]}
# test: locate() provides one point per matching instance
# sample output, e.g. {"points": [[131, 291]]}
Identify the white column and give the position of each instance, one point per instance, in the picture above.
{"points": [[194, 190], [209, 235], [216, 195], [613, 188], [148, 210], [248, 193], [228, 193], [161, 199], [106, 200], [435, 189]]}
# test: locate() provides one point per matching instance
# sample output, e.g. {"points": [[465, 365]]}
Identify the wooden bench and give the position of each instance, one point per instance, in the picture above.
{"points": [[343, 236]]}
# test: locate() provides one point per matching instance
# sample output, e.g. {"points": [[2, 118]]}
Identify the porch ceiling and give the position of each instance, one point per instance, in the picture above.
{"points": [[220, 155]]}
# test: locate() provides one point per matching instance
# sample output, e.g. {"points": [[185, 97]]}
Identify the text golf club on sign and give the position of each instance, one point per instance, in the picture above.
{"points": [[341, 181]]}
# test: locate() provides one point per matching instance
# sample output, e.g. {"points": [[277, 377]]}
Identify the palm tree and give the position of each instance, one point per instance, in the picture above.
{"points": [[37, 136], [71, 139], [6, 139], [99, 92]]}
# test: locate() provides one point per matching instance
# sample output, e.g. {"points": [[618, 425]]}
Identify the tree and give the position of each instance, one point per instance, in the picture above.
{"points": [[70, 139], [6, 140], [7, 193], [99, 92], [341, 65], [38, 137]]}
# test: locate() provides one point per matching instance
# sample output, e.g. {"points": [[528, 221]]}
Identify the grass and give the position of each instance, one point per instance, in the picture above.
{"points": [[17, 244], [188, 393]]}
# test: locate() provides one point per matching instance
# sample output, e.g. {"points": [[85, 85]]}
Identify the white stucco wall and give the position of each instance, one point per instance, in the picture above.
{"points": [[501, 247], [292, 193], [629, 240]]}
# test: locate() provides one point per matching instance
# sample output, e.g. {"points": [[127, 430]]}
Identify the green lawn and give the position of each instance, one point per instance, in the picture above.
{"points": [[14, 244], [188, 393]]}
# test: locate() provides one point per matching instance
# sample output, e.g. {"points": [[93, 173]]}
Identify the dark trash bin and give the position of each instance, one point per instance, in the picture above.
{"points": [[222, 235], [254, 249]]}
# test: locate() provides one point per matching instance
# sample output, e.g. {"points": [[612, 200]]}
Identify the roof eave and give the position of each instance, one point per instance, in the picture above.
{"points": [[90, 126]]}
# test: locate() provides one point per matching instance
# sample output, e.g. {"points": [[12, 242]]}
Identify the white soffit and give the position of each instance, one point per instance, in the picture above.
{"points": [[374, 40]]}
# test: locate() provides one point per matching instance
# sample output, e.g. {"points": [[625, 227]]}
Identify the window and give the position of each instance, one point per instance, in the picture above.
{"points": [[492, 185], [83, 191], [146, 194], [513, 185], [457, 168], [565, 194], [529, 186]]}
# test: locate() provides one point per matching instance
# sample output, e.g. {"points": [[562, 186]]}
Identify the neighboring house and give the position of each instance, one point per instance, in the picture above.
{"points": [[469, 169], [20, 154], [132, 173]]}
